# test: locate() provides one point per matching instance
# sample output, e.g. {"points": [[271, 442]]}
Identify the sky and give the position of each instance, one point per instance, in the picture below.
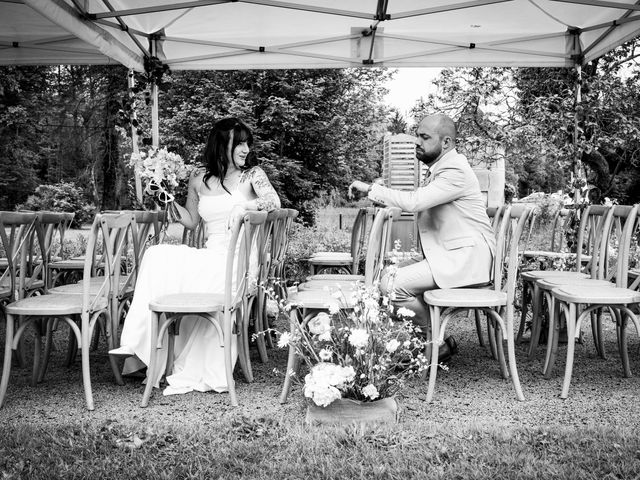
{"points": [[408, 86]]}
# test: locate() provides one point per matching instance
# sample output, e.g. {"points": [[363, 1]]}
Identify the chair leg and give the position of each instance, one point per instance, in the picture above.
{"points": [[153, 361], [48, 342], [552, 335], [435, 336], [228, 366], [511, 351], [493, 348], [243, 345], [6, 366], [624, 353], [500, 351], [571, 346], [72, 349], [86, 371], [292, 358], [259, 327], [479, 328], [536, 320], [526, 300], [37, 351]]}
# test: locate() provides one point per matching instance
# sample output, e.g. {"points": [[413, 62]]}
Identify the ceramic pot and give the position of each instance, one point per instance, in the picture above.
{"points": [[345, 411]]}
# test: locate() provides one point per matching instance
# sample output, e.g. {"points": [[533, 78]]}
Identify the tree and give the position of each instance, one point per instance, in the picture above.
{"points": [[397, 123]]}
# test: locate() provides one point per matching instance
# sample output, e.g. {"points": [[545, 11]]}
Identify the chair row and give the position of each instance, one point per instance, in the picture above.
{"points": [[115, 247]]}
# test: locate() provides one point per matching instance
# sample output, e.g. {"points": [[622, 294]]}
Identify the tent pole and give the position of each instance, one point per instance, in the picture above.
{"points": [[155, 131], [134, 144], [577, 151]]}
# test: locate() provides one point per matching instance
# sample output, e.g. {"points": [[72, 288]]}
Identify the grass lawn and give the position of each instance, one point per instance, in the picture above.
{"points": [[474, 428]]}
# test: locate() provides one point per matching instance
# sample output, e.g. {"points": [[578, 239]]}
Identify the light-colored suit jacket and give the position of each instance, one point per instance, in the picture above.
{"points": [[455, 231]]}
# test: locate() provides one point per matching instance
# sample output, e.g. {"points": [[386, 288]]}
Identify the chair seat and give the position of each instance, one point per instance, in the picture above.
{"points": [[343, 255], [553, 282], [68, 264], [533, 275], [596, 295], [329, 285], [188, 303], [316, 299], [330, 261], [335, 277], [50, 305], [465, 297]]}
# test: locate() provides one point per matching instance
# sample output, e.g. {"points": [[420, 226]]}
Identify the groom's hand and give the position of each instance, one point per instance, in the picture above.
{"points": [[359, 186]]}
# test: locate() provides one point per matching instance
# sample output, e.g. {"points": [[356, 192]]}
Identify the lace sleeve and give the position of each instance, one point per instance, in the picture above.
{"points": [[267, 197]]}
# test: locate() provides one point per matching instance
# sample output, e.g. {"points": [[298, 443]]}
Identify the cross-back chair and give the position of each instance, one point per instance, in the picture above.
{"points": [[345, 262], [576, 302], [80, 312], [145, 233], [195, 237], [223, 310], [305, 304], [17, 237], [590, 231], [378, 245], [497, 303]]}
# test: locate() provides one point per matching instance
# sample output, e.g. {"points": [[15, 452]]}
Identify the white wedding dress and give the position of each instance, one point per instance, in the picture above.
{"points": [[199, 358]]}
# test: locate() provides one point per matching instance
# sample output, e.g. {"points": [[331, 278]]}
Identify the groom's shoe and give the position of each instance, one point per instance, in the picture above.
{"points": [[447, 350]]}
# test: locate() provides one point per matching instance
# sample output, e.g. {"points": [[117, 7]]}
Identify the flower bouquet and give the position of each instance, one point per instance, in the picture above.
{"points": [[162, 170], [361, 352]]}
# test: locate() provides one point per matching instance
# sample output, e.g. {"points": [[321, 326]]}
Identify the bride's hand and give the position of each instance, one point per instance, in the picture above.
{"points": [[236, 212]]}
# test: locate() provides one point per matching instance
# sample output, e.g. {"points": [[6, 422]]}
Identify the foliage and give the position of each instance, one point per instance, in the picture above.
{"points": [[327, 238], [530, 118], [61, 197], [315, 130], [358, 350]]}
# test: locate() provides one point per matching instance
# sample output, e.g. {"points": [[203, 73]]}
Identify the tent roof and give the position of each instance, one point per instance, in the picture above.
{"points": [[220, 34]]}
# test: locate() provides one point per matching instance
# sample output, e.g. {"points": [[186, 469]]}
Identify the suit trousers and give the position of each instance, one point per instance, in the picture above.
{"points": [[405, 288]]}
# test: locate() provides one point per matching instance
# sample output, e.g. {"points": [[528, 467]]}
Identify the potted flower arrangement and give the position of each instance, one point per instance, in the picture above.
{"points": [[359, 354], [162, 170]]}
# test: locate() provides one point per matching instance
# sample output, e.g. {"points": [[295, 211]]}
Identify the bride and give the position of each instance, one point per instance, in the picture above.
{"points": [[222, 189]]}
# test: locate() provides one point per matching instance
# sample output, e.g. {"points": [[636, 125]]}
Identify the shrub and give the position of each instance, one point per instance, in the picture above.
{"points": [[61, 197]]}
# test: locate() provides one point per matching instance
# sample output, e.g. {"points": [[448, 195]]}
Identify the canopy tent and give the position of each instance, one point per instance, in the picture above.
{"points": [[224, 34]]}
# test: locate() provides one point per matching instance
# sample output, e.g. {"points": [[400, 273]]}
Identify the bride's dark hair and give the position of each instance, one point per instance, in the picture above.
{"points": [[216, 153]]}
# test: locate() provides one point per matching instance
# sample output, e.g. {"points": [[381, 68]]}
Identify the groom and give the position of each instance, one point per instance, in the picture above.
{"points": [[456, 236]]}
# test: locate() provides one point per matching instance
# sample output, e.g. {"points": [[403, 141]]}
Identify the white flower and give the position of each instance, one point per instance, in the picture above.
{"points": [[321, 393], [405, 312], [320, 324], [334, 308], [392, 345], [337, 294], [370, 391], [325, 354], [284, 340], [359, 338], [325, 337]]}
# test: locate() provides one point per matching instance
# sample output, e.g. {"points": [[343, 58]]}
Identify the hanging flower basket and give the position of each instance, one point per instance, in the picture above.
{"points": [[345, 411]]}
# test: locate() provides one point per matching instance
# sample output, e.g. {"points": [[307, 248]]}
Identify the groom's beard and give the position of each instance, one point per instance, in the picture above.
{"points": [[428, 158]]}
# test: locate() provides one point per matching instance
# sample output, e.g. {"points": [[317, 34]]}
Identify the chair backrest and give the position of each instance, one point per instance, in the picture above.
{"points": [[594, 223], [17, 231], [495, 214], [359, 234], [266, 247], [49, 225], [244, 235], [113, 231], [507, 259], [615, 244], [379, 243], [279, 244]]}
